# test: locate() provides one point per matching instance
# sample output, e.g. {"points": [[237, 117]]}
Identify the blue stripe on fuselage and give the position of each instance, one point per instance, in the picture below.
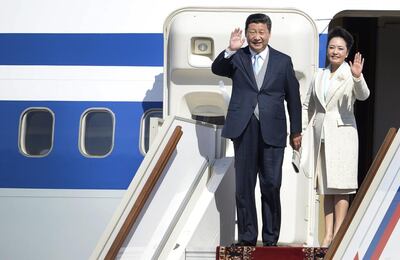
{"points": [[322, 49], [131, 49], [93, 49], [65, 167]]}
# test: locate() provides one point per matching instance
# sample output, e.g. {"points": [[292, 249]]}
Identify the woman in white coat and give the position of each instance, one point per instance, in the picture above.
{"points": [[330, 109]]}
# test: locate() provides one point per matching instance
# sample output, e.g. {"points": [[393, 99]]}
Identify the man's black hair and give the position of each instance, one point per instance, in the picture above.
{"points": [[258, 18]]}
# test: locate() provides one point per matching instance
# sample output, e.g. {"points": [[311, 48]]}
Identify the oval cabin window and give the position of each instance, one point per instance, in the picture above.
{"points": [[36, 132], [97, 133]]}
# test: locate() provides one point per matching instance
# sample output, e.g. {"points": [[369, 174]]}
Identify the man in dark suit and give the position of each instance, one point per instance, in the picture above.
{"points": [[256, 122]]}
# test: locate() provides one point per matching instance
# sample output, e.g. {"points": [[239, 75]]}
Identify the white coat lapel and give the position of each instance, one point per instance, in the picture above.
{"points": [[337, 82], [319, 87]]}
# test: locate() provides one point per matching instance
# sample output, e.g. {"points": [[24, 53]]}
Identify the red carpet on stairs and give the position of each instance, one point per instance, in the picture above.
{"points": [[279, 252]]}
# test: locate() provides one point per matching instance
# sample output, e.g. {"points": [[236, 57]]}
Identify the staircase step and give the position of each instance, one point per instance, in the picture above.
{"points": [[279, 252], [200, 254]]}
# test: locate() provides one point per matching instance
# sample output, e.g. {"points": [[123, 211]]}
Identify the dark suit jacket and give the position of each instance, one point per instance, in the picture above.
{"points": [[279, 84]]}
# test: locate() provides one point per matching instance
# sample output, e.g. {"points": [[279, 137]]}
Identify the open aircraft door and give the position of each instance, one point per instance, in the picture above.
{"points": [[193, 37]]}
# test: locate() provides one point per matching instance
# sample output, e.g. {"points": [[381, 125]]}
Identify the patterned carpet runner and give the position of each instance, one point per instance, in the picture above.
{"points": [[265, 253]]}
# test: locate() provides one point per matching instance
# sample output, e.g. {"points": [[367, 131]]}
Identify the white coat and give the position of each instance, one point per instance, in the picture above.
{"points": [[334, 115]]}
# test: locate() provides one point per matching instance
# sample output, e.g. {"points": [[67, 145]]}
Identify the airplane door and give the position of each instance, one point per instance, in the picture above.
{"points": [[193, 38]]}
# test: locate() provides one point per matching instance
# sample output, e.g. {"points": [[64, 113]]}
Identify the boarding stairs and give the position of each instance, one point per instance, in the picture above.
{"points": [[180, 204]]}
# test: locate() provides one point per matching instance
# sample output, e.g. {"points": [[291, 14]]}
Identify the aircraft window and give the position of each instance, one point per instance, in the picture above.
{"points": [[97, 132], [148, 128], [36, 132]]}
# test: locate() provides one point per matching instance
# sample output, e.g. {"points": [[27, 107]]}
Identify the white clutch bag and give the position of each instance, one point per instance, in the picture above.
{"points": [[296, 160]]}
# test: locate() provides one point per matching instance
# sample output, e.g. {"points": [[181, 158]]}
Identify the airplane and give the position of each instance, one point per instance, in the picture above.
{"points": [[82, 83]]}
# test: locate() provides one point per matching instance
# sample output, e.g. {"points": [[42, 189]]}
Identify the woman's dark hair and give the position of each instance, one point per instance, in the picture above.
{"points": [[259, 18], [342, 33]]}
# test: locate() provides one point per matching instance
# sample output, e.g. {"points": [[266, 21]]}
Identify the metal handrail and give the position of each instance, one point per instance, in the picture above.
{"points": [[361, 193], [144, 194]]}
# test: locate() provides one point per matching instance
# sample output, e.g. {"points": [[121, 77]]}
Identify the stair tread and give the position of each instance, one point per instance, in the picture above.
{"points": [[278, 252]]}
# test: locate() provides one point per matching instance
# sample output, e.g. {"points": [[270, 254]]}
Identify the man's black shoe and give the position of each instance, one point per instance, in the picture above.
{"points": [[269, 243], [243, 243]]}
